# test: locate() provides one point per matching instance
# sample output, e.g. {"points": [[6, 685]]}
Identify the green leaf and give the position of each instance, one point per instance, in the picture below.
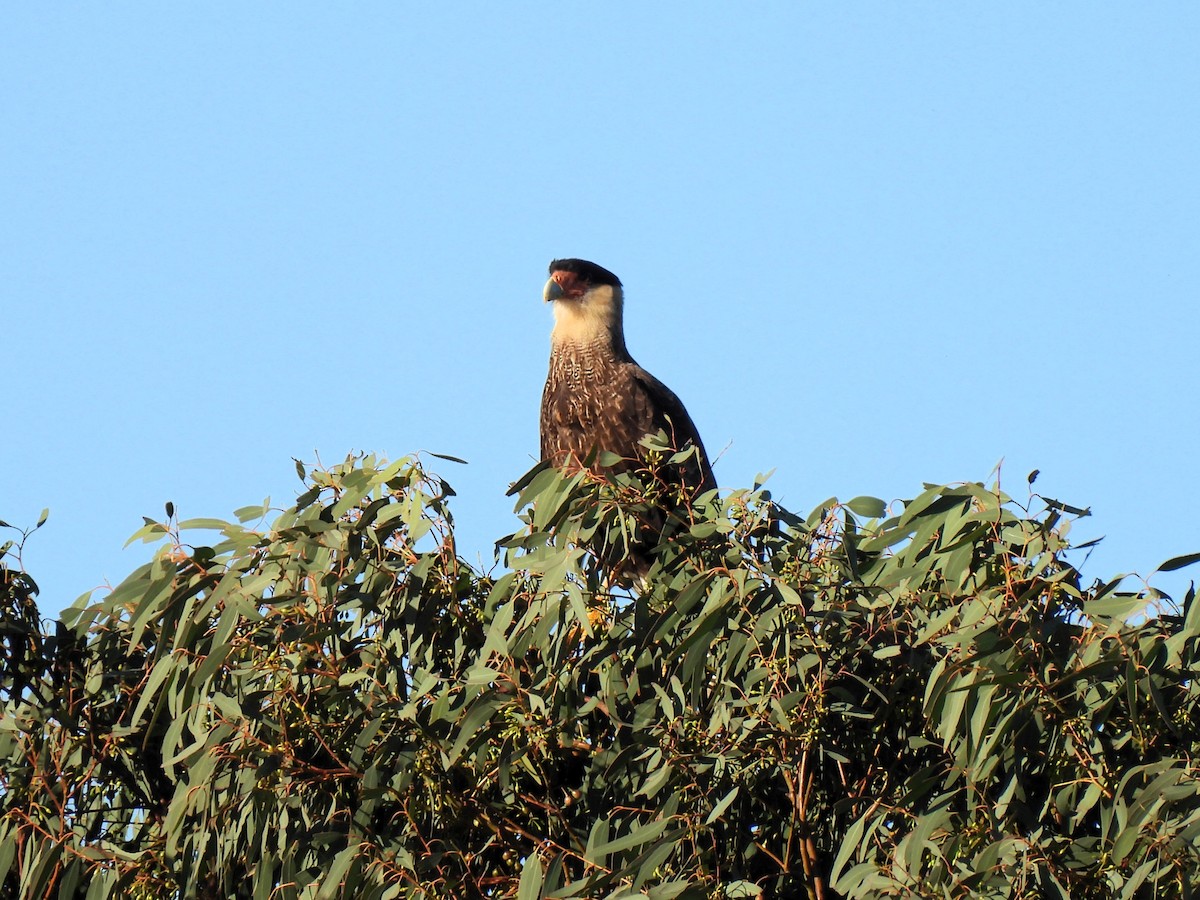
{"points": [[722, 805], [640, 835], [8, 850], [532, 878], [1178, 562], [1065, 507], [1117, 606], [203, 525], [333, 884], [158, 674], [483, 675], [480, 714], [256, 511], [518, 487]]}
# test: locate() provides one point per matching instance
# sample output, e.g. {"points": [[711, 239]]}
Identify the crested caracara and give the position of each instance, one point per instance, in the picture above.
{"points": [[596, 397]]}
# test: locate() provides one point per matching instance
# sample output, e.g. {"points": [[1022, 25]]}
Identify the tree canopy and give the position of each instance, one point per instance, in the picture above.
{"points": [[921, 699]]}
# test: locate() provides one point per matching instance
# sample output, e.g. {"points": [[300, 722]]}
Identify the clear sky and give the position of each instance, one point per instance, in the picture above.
{"points": [[870, 245]]}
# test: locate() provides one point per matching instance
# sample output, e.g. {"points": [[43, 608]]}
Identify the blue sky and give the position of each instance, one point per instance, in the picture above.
{"points": [[870, 245]]}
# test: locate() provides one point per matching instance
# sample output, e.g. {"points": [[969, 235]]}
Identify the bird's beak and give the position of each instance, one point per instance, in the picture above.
{"points": [[552, 291]]}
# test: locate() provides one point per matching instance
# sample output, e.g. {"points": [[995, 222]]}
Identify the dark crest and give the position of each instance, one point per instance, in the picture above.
{"points": [[588, 272]]}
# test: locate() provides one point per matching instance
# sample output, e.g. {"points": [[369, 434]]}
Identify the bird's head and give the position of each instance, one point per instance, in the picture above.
{"points": [[587, 300]]}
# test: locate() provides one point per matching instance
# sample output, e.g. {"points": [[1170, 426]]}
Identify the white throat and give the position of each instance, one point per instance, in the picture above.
{"points": [[596, 316]]}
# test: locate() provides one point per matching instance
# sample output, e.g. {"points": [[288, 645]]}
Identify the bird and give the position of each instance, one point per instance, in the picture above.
{"points": [[597, 398]]}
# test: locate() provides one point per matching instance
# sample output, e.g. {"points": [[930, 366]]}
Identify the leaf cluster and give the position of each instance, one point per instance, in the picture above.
{"points": [[332, 703]]}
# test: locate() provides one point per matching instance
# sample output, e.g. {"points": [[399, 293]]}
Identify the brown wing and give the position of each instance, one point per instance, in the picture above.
{"points": [[613, 408], [657, 407]]}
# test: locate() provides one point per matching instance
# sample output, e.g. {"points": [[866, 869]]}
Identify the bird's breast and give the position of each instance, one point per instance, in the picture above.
{"points": [[586, 384]]}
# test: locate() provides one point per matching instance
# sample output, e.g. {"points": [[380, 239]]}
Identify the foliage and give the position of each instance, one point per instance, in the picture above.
{"points": [[923, 703]]}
